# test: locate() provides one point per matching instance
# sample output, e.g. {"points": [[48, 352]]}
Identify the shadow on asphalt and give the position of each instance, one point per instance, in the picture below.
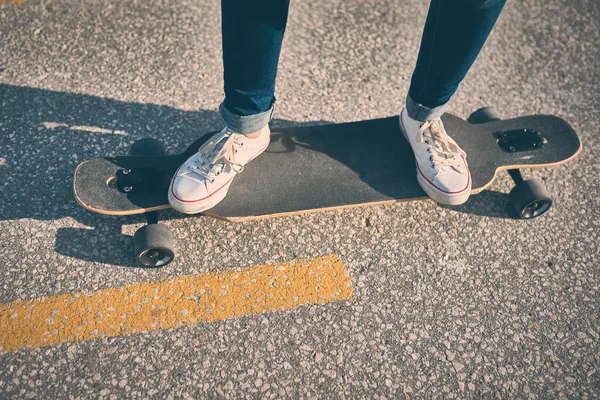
{"points": [[44, 135], [91, 244], [488, 203]]}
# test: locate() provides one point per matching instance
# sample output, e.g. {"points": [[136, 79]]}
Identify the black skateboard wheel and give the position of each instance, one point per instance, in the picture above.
{"points": [[154, 246], [530, 199], [483, 115], [148, 147]]}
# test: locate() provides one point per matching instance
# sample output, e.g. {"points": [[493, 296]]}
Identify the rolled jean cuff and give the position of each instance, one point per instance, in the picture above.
{"points": [[245, 124], [421, 113]]}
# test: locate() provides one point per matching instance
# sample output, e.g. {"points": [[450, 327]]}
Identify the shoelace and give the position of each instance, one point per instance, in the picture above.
{"points": [[442, 149], [222, 152]]}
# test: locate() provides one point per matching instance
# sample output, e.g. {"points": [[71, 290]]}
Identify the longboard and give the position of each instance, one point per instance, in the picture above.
{"points": [[324, 167]]}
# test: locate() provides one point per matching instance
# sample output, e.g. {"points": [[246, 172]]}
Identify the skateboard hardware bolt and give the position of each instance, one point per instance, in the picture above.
{"points": [[154, 254], [512, 149], [126, 171], [127, 189]]}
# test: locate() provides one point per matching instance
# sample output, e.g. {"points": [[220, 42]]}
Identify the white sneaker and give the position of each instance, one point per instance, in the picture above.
{"points": [[204, 179], [442, 169]]}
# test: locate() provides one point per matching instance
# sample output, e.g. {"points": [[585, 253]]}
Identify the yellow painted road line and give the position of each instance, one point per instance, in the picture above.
{"points": [[179, 301], [2, 2]]}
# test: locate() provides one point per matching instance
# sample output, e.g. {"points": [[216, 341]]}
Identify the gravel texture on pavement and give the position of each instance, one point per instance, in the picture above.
{"points": [[448, 302]]}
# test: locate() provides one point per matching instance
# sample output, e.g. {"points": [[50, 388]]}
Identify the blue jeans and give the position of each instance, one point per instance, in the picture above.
{"points": [[455, 31]]}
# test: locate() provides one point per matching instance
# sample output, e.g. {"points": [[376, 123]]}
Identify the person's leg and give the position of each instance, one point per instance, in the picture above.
{"points": [[454, 33], [252, 36], [252, 32]]}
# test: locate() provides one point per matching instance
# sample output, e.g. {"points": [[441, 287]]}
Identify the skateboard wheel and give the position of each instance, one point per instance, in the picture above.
{"points": [[483, 115], [148, 147], [530, 199], [153, 245]]}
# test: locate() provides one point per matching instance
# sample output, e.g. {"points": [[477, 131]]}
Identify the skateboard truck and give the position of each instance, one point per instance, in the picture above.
{"points": [[529, 198], [153, 244]]}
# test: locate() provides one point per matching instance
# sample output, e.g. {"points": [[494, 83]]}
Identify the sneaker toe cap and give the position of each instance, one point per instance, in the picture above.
{"points": [[452, 183], [185, 189]]}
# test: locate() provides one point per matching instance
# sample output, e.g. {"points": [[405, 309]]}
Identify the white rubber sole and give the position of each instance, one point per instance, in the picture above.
{"points": [[441, 197], [198, 206]]}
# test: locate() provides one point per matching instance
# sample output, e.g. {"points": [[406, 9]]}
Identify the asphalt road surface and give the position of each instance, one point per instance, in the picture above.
{"points": [[410, 300]]}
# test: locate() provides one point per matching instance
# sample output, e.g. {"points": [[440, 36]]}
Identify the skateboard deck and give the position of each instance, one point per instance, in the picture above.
{"points": [[324, 167]]}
